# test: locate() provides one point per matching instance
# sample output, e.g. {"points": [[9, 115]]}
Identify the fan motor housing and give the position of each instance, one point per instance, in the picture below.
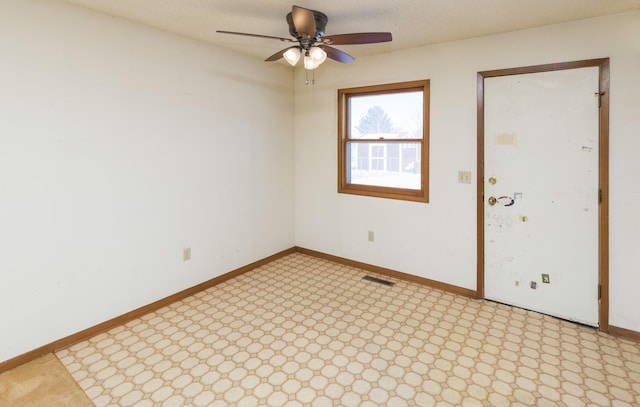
{"points": [[321, 22]]}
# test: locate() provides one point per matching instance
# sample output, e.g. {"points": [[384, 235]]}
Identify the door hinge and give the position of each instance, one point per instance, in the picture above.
{"points": [[600, 196], [599, 95], [599, 291]]}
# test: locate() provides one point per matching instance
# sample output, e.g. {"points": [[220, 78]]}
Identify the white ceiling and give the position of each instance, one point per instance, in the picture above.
{"points": [[411, 22]]}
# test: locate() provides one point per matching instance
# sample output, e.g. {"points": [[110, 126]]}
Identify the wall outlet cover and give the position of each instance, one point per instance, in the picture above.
{"points": [[533, 285], [546, 279]]}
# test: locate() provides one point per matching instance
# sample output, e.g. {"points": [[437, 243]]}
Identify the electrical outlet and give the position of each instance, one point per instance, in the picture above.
{"points": [[186, 254], [371, 236], [464, 177], [546, 279]]}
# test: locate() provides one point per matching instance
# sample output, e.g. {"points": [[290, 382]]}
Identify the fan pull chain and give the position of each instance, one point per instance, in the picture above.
{"points": [[313, 77]]}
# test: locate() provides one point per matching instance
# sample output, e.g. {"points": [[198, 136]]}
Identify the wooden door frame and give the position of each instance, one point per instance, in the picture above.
{"points": [[603, 177]]}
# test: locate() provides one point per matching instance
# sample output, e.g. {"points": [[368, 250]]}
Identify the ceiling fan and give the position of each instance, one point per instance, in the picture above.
{"points": [[307, 28]]}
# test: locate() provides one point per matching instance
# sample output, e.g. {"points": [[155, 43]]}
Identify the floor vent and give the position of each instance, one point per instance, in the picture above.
{"points": [[378, 280]]}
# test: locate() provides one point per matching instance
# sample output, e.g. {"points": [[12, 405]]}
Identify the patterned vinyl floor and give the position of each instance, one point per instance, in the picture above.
{"points": [[302, 331]]}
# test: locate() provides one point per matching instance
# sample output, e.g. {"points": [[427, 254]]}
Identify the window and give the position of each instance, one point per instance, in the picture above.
{"points": [[383, 141]]}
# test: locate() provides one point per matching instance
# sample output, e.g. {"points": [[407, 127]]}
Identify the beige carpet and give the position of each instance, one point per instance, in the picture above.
{"points": [[42, 382]]}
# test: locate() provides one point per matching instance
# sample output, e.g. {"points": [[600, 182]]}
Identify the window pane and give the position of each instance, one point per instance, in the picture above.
{"points": [[383, 137], [383, 164], [390, 116]]}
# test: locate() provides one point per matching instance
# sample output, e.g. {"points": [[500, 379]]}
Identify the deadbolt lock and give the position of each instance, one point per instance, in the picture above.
{"points": [[492, 200], [492, 181]]}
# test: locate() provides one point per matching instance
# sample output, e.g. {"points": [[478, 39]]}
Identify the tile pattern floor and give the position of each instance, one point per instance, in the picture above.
{"points": [[303, 331]]}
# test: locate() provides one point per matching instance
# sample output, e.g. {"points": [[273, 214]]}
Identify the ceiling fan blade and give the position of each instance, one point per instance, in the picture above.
{"points": [[278, 54], [357, 38], [337, 55], [304, 21], [256, 35]]}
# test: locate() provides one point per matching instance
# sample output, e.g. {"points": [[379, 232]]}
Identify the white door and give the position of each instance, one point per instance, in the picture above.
{"points": [[541, 166]]}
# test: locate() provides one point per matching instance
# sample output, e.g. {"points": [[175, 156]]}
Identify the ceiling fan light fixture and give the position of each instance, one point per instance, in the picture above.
{"points": [[318, 54], [307, 27], [292, 56], [309, 63], [314, 57]]}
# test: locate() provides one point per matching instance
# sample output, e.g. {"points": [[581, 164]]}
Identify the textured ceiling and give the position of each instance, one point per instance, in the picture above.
{"points": [[411, 22]]}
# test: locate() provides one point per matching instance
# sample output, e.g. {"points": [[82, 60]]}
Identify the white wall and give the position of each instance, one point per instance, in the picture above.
{"points": [[438, 240], [119, 146]]}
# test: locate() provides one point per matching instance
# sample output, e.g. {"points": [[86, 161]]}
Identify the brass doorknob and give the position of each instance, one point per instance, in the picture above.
{"points": [[492, 200]]}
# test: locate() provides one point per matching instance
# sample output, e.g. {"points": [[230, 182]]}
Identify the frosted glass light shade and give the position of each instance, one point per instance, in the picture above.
{"points": [[318, 55], [313, 58], [309, 63], [292, 56]]}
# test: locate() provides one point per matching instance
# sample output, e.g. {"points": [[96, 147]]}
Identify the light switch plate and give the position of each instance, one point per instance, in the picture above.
{"points": [[464, 177]]}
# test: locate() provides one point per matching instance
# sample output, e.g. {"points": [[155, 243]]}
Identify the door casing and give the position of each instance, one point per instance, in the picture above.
{"points": [[603, 165]]}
